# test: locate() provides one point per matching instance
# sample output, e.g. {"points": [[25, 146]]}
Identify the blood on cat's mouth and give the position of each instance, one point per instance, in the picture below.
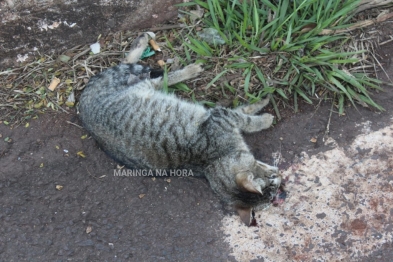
{"points": [[277, 200], [280, 197], [281, 194], [253, 219]]}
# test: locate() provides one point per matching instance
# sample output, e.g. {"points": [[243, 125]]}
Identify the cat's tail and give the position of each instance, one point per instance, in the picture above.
{"points": [[137, 47]]}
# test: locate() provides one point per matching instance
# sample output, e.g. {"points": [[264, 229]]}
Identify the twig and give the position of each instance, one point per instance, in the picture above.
{"points": [[68, 122], [385, 42], [367, 4], [94, 176], [87, 50], [166, 27], [328, 124], [57, 105], [383, 69]]}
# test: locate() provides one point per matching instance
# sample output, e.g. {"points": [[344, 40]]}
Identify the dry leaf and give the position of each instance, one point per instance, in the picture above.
{"points": [[142, 195], [153, 178], [168, 180], [83, 137], [64, 58], [89, 229], [313, 140], [42, 165], [70, 104], [59, 187], [195, 14], [81, 154]]}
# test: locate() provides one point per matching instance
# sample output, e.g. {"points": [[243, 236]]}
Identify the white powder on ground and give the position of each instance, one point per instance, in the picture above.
{"points": [[339, 208]]}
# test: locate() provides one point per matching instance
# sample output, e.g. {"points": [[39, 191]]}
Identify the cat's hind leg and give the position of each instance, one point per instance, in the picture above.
{"points": [[252, 124], [186, 73], [178, 76], [244, 122], [253, 108]]}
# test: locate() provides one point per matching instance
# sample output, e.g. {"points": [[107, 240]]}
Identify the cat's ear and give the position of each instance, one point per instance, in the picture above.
{"points": [[245, 214], [246, 181]]}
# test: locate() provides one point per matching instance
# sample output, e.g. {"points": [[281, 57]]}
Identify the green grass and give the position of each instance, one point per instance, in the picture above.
{"points": [[306, 63]]}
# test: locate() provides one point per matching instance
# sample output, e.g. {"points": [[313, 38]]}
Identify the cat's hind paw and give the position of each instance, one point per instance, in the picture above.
{"points": [[267, 120], [193, 70]]}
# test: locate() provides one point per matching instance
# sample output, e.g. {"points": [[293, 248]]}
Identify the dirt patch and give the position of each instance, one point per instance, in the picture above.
{"points": [[30, 29], [174, 220]]}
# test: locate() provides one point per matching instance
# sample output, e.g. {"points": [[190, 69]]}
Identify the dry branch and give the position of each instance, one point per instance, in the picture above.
{"points": [[368, 4], [358, 25]]}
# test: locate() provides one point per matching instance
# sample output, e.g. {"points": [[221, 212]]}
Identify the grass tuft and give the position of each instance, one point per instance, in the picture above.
{"points": [[281, 47]]}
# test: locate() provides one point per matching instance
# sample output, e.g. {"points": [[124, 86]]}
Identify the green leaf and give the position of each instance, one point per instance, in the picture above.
{"points": [[281, 93], [215, 79], [182, 87]]}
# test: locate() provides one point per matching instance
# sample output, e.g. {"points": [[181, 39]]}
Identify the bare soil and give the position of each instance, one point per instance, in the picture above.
{"points": [[78, 23], [56, 205]]}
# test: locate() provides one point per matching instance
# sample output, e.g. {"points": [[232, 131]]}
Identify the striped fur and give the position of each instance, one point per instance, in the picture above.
{"points": [[141, 127]]}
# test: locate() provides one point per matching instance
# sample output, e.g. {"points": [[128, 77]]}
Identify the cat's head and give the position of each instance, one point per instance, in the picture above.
{"points": [[255, 187]]}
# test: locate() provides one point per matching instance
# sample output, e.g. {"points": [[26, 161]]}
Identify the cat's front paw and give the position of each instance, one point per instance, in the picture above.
{"points": [[267, 120], [193, 70], [263, 102]]}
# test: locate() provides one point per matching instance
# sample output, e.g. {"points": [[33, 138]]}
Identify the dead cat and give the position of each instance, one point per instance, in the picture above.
{"points": [[142, 127]]}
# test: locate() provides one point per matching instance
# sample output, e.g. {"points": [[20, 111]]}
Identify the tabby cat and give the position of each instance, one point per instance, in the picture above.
{"points": [[142, 127]]}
